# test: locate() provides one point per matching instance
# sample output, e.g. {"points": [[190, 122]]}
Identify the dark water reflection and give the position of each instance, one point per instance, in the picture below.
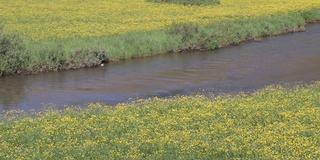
{"points": [[289, 58]]}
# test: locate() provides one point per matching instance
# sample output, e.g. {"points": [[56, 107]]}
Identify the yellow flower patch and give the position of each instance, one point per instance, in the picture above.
{"points": [[43, 19]]}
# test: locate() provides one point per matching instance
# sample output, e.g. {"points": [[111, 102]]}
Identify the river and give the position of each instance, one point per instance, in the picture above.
{"points": [[245, 67]]}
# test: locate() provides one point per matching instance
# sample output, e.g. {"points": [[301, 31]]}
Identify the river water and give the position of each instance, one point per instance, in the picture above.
{"points": [[246, 67]]}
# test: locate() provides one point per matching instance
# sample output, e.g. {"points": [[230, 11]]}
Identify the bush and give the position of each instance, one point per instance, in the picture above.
{"points": [[54, 58], [13, 57], [10, 43], [48, 59], [87, 58], [188, 2]]}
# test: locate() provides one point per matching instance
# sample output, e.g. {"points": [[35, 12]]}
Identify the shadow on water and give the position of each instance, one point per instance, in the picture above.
{"points": [[10, 95], [246, 67]]}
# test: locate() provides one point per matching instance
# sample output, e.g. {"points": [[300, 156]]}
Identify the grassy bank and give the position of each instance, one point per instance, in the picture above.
{"points": [[273, 123], [68, 36]]}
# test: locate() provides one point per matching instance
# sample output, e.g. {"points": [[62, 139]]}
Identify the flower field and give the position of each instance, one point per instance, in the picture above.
{"points": [[45, 19], [276, 122]]}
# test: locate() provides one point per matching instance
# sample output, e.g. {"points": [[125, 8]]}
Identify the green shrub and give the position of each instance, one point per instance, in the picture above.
{"points": [[187, 2], [13, 57], [88, 57], [10, 43], [52, 58]]}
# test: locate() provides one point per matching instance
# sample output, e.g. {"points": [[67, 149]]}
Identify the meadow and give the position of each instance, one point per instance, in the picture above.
{"points": [[42, 35], [276, 122], [43, 19]]}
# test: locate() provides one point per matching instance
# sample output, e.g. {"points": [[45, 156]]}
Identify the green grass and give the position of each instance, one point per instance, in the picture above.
{"points": [[19, 57], [276, 122], [47, 55], [188, 2]]}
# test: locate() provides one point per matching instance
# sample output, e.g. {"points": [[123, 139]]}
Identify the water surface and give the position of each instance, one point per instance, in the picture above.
{"points": [[246, 67]]}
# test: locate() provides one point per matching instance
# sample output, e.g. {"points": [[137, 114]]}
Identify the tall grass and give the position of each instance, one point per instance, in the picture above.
{"points": [[276, 122], [19, 57]]}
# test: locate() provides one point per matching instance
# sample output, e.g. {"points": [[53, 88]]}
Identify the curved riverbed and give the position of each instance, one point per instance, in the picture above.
{"points": [[246, 67]]}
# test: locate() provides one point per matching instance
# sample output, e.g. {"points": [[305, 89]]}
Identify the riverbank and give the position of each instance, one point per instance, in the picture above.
{"points": [[277, 122], [21, 55]]}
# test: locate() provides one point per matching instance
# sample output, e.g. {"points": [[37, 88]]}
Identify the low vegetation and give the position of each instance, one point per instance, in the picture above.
{"points": [[17, 58], [74, 34], [188, 2], [277, 122], [61, 19]]}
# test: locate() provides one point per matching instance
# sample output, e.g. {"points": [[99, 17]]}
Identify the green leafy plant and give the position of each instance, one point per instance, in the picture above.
{"points": [[87, 57], [12, 53]]}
